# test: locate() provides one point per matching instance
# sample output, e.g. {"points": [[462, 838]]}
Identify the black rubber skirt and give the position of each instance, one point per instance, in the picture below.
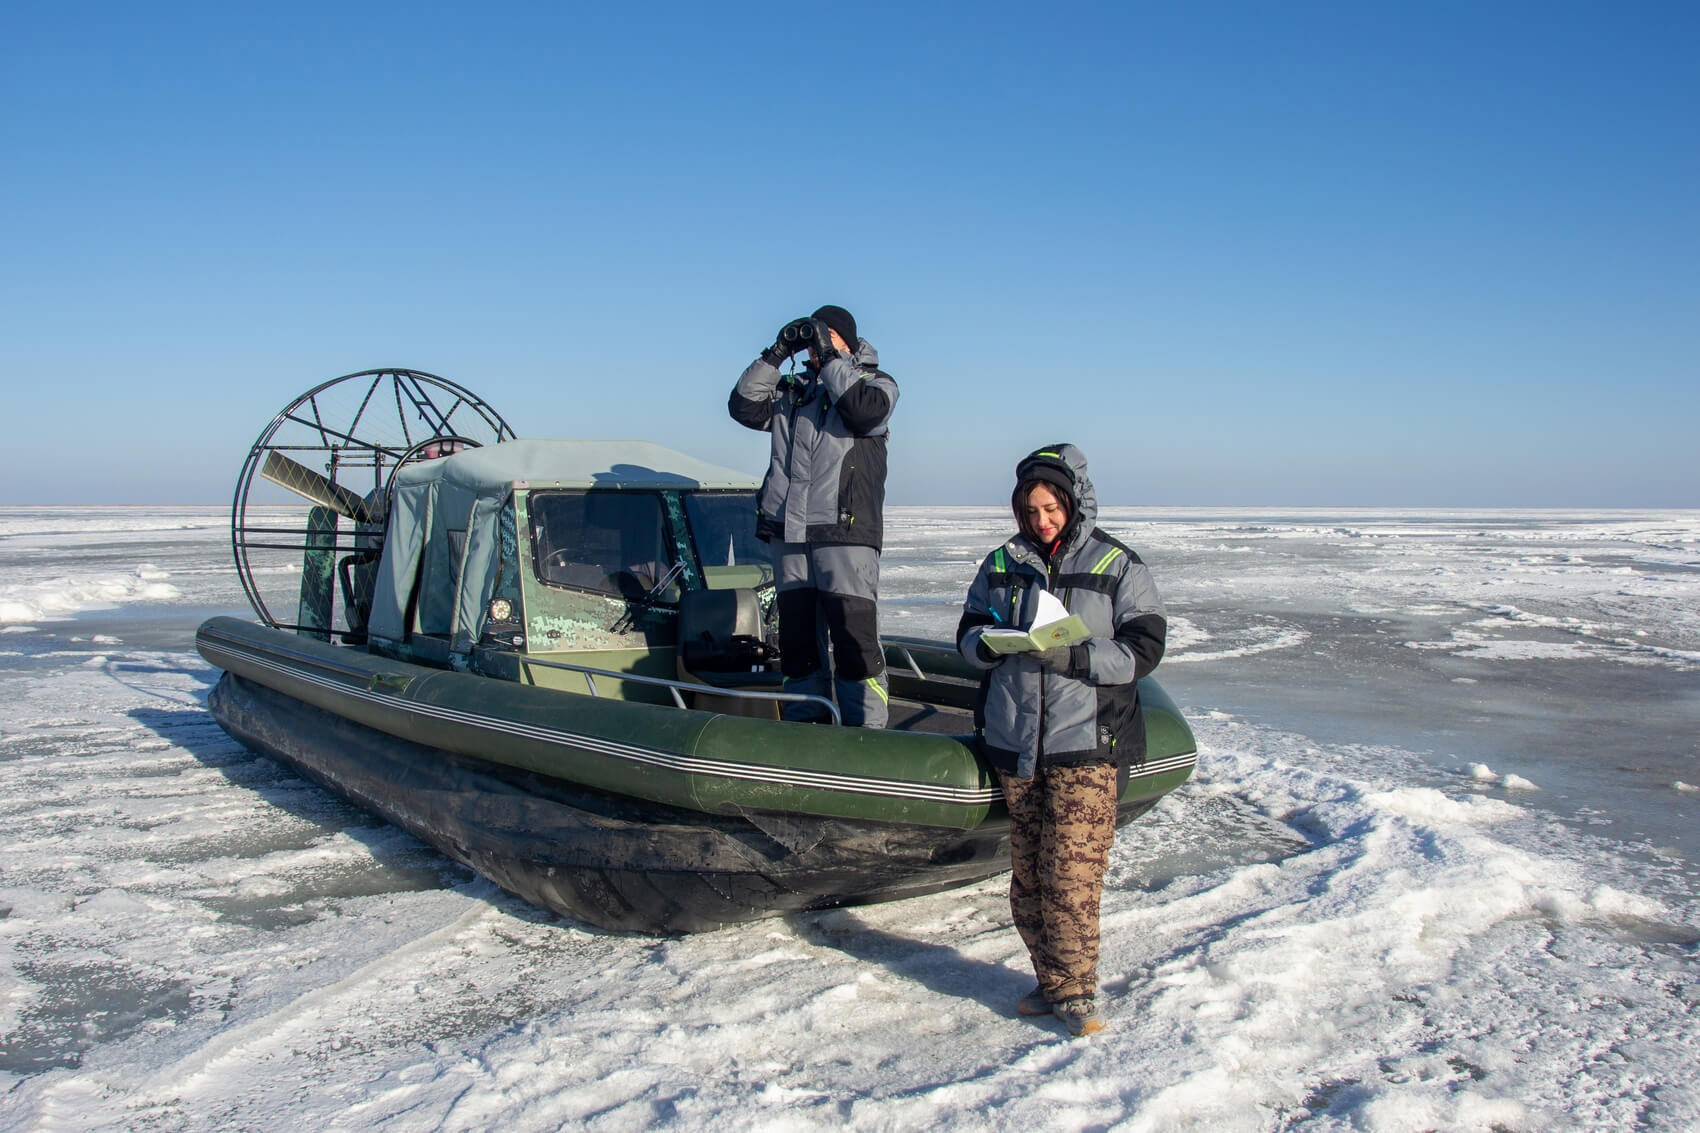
{"points": [[610, 861]]}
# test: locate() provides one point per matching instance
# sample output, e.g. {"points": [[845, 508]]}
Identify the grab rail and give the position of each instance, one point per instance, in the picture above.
{"points": [[674, 687], [905, 645]]}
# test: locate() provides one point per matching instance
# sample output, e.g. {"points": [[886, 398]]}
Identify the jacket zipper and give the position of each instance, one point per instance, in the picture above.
{"points": [[1039, 734]]}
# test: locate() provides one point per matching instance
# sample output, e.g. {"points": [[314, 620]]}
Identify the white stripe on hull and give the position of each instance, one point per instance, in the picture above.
{"points": [[666, 760]]}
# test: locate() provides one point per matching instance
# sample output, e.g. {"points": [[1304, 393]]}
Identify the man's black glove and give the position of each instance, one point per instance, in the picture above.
{"points": [[1057, 660], [823, 341], [787, 342], [985, 654]]}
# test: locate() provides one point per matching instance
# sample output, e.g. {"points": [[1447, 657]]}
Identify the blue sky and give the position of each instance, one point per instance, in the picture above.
{"points": [[1425, 254]]}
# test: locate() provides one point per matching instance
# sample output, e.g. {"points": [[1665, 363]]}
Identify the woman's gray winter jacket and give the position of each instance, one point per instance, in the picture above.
{"points": [[826, 479], [1030, 717]]}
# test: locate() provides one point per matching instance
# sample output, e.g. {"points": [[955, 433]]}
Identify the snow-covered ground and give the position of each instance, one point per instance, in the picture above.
{"points": [[1435, 871]]}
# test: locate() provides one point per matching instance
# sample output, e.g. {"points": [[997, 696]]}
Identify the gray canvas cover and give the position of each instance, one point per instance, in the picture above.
{"points": [[444, 517]]}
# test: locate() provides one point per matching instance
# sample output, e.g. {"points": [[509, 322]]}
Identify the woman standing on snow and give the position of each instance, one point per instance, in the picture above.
{"points": [[1061, 726]]}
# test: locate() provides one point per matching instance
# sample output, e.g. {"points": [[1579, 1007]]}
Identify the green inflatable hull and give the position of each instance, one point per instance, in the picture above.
{"points": [[635, 816]]}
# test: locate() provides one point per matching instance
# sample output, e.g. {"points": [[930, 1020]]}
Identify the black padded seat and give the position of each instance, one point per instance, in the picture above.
{"points": [[720, 644]]}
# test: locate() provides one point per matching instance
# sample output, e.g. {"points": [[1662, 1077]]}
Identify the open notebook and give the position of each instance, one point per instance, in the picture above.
{"points": [[1052, 626]]}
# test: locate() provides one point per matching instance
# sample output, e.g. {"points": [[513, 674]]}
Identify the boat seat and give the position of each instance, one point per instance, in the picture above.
{"points": [[359, 575], [721, 645]]}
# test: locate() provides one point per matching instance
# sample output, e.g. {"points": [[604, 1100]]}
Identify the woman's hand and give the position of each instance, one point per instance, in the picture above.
{"points": [[1060, 659]]}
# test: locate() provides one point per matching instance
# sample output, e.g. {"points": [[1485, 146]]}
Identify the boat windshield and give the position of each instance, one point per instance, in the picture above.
{"points": [[723, 526], [605, 541]]}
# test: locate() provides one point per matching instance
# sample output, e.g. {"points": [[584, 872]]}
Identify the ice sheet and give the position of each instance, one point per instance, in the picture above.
{"points": [[1328, 928]]}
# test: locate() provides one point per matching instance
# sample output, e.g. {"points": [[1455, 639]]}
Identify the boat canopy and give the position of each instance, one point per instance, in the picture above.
{"points": [[445, 514], [535, 463]]}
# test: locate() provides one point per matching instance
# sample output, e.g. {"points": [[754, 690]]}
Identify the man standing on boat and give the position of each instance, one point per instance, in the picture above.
{"points": [[823, 503]]}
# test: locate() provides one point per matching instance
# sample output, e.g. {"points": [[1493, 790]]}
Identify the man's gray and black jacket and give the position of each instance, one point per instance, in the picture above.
{"points": [[1029, 717], [826, 480]]}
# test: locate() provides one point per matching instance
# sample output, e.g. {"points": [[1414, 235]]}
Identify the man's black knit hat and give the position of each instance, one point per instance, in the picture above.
{"points": [[841, 321]]}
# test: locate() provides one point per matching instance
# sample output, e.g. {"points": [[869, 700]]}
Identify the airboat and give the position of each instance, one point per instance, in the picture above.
{"points": [[554, 661]]}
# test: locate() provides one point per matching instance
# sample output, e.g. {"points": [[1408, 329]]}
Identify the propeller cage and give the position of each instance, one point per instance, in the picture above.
{"points": [[307, 521]]}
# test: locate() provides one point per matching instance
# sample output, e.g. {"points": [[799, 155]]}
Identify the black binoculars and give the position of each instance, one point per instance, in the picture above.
{"points": [[800, 332]]}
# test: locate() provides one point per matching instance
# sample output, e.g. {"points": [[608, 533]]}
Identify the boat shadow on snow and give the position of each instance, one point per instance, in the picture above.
{"points": [[296, 814]]}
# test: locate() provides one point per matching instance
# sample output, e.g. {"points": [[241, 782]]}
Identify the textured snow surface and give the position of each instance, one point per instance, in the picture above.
{"points": [[1315, 933]]}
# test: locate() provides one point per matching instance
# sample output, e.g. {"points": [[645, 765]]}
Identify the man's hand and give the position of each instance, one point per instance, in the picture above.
{"points": [[787, 342], [825, 346]]}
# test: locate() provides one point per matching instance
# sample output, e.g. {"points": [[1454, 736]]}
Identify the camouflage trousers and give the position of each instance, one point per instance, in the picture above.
{"points": [[1061, 824]]}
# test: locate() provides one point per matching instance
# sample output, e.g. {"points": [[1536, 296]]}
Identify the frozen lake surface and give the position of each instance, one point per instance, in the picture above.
{"points": [[1437, 870]]}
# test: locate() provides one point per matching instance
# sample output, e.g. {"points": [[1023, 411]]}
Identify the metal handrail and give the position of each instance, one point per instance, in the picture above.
{"points": [[674, 687], [904, 648]]}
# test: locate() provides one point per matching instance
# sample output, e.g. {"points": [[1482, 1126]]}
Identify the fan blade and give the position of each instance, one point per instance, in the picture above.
{"points": [[303, 481]]}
